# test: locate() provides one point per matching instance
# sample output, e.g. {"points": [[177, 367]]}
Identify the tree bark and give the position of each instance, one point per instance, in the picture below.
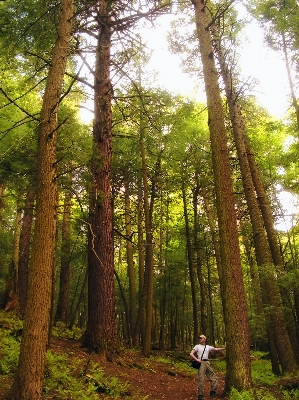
{"points": [[236, 318], [28, 382], [100, 333]]}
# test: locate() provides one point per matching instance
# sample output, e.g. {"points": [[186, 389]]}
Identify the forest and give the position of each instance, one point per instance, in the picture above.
{"points": [[161, 218]]}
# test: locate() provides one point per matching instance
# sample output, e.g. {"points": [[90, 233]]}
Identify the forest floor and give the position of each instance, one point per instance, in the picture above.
{"points": [[143, 378], [71, 370], [147, 378]]}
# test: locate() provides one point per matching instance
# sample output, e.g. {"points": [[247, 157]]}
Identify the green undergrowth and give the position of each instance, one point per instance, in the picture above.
{"points": [[267, 386], [65, 379], [68, 375]]}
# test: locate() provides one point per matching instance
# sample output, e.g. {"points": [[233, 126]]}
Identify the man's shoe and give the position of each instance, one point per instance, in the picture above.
{"points": [[213, 393]]}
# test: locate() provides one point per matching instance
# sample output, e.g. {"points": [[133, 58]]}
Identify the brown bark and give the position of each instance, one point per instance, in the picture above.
{"points": [[101, 326], [24, 249], [65, 265], [270, 292], [28, 382], [236, 318]]}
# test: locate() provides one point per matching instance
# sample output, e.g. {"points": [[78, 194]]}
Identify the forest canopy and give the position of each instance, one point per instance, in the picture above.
{"points": [[160, 218]]}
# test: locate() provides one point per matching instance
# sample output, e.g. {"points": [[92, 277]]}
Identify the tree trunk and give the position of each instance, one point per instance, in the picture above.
{"points": [[139, 325], [148, 289], [28, 382], [74, 314], [199, 262], [192, 272], [272, 303], [10, 298], [24, 249], [65, 265], [130, 261], [236, 318], [100, 333]]}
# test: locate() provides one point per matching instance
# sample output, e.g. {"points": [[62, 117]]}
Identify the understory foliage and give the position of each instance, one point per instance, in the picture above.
{"points": [[71, 374]]}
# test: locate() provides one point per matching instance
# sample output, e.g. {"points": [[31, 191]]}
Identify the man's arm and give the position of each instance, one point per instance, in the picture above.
{"points": [[192, 355], [218, 348]]}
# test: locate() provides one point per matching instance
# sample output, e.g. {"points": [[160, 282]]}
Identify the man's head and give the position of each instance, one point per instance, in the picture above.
{"points": [[202, 338]]}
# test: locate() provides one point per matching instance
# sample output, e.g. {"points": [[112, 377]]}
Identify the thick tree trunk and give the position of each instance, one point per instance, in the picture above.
{"points": [[272, 302], [24, 249], [236, 318], [100, 334], [65, 265], [28, 383]]}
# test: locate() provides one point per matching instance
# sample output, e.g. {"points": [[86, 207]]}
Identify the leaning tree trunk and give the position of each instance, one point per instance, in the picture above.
{"points": [[28, 383], [272, 302], [100, 333], [236, 318]]}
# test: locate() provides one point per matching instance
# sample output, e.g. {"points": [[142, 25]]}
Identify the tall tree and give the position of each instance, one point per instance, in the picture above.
{"points": [[28, 382], [101, 327], [235, 310], [270, 292]]}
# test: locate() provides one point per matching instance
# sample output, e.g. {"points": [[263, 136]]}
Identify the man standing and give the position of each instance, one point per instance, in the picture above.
{"points": [[201, 353]]}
